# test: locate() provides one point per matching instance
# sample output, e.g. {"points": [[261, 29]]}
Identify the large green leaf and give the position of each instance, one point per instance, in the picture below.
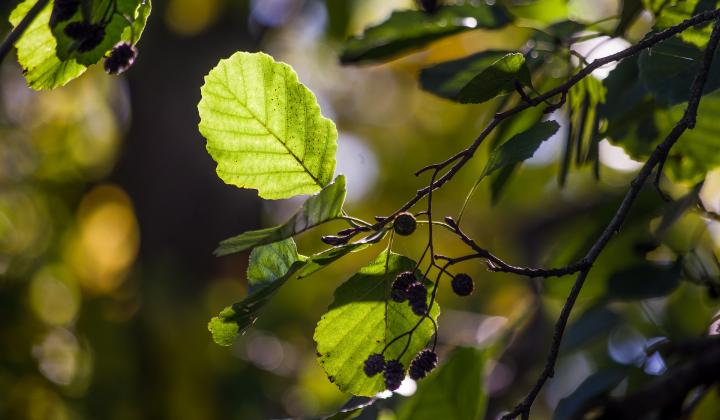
{"points": [[269, 268], [264, 128], [411, 29], [498, 79], [446, 79], [455, 391], [362, 319], [668, 69], [520, 147], [37, 48], [320, 208]]}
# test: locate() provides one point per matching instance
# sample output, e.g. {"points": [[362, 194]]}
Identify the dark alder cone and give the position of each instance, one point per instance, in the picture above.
{"points": [[89, 35], [393, 374], [404, 224], [462, 284], [398, 293], [121, 58], [429, 6], [63, 10], [417, 297], [374, 364], [422, 364]]}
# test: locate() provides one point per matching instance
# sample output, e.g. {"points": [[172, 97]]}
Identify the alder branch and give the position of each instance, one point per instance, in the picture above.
{"points": [[16, 32], [461, 158], [656, 158]]}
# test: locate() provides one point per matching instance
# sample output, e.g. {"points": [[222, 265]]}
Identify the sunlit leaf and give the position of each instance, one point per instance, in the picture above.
{"points": [[37, 47], [320, 208], [520, 147], [269, 268], [362, 319], [446, 79], [644, 281], [264, 128], [117, 29], [672, 13], [455, 391], [497, 79], [587, 393], [411, 29], [321, 260]]}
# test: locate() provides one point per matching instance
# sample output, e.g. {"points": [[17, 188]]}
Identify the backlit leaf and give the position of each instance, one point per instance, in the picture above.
{"points": [[264, 128], [362, 319], [498, 79]]}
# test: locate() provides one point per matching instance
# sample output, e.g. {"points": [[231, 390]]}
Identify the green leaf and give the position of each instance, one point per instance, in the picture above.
{"points": [[672, 13], [644, 281], [520, 147], [320, 208], [587, 393], [446, 79], [264, 128], [36, 51], [455, 391], [668, 69], [411, 29], [362, 319], [498, 79], [37, 48], [321, 260], [269, 268], [117, 29], [631, 9]]}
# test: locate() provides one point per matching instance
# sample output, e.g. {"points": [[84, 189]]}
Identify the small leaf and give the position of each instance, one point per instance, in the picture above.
{"points": [[446, 79], [269, 268], [264, 128], [320, 208], [644, 281], [362, 319], [586, 394], [520, 147], [321, 260], [455, 391], [631, 9], [674, 210], [498, 79], [411, 29], [668, 69]]}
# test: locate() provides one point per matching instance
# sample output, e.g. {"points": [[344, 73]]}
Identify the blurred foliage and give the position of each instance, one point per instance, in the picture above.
{"points": [[98, 322]]}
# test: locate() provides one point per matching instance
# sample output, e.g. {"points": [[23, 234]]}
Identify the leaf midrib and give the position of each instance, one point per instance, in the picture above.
{"points": [[264, 125]]}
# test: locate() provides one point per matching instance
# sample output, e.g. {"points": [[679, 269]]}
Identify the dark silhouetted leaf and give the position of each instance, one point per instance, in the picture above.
{"points": [[411, 29], [644, 281], [588, 392], [591, 325], [520, 147], [498, 79], [668, 69], [446, 79]]}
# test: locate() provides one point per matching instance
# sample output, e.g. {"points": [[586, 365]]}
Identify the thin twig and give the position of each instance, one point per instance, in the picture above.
{"points": [[660, 153]]}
